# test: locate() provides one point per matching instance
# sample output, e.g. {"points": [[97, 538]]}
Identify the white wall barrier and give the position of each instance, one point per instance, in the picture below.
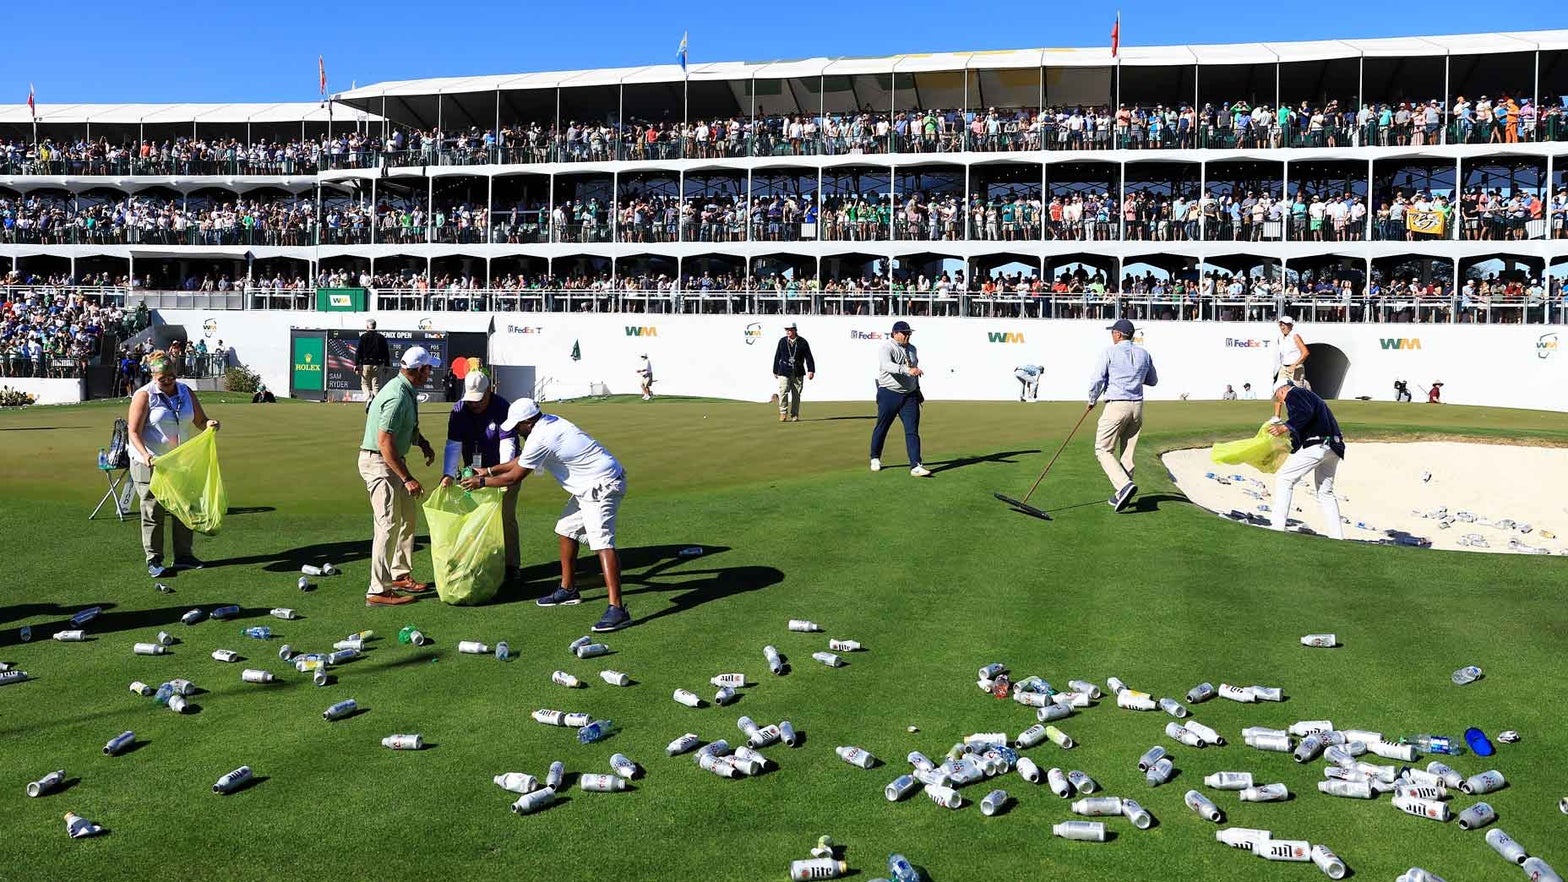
{"points": [[47, 391], [968, 359]]}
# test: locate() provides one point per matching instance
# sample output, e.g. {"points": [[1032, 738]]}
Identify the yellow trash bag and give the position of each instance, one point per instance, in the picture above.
{"points": [[1262, 451], [467, 542], [186, 482]]}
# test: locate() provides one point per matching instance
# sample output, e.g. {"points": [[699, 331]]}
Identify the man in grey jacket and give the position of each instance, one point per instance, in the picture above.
{"points": [[898, 395]]}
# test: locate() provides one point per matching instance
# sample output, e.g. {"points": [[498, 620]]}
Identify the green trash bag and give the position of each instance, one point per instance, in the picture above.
{"points": [[467, 542], [1262, 451], [186, 482]]}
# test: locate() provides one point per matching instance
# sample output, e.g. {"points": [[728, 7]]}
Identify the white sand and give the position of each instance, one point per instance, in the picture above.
{"points": [[1381, 486]]}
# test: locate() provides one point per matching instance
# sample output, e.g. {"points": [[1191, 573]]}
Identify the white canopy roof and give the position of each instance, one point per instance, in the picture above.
{"points": [[135, 114], [1131, 54]]}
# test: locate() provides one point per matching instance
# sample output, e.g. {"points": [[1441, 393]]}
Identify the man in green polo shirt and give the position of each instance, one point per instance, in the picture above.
{"points": [[391, 428]]}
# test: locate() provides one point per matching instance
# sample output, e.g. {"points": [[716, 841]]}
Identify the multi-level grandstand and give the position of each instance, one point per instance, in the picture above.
{"points": [[1418, 180]]}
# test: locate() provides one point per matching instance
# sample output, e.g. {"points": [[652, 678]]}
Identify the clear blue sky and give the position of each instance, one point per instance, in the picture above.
{"points": [[164, 52]]}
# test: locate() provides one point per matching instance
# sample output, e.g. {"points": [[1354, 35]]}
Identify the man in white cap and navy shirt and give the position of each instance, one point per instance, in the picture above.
{"points": [[474, 437], [1316, 446], [1124, 369], [596, 483], [391, 428]]}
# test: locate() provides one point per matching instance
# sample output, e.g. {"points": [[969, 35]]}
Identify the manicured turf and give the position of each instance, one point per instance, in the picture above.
{"points": [[935, 578]]}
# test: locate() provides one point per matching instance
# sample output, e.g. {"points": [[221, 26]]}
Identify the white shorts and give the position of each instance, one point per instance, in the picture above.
{"points": [[591, 517]]}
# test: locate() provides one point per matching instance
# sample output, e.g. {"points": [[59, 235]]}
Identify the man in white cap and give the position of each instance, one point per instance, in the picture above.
{"points": [[391, 428], [793, 365], [1316, 446], [596, 483], [474, 436], [1124, 369]]}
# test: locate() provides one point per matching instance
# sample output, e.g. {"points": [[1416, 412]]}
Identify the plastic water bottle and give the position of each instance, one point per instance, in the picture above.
{"points": [[1441, 744], [259, 632], [595, 731], [224, 612], [900, 869], [25, 634], [103, 459], [86, 615]]}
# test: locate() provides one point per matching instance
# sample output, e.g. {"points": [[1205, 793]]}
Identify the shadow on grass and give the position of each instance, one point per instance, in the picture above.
{"points": [[249, 509], [834, 419], [40, 428], [1005, 456], [660, 568], [289, 560], [108, 622]]}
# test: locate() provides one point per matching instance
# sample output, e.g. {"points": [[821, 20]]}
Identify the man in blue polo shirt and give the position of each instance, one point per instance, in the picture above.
{"points": [[1124, 369], [1316, 446], [474, 437]]}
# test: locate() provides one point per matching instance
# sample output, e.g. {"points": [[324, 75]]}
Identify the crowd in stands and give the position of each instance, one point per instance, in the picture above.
{"points": [[1505, 119], [55, 331], [1222, 213]]}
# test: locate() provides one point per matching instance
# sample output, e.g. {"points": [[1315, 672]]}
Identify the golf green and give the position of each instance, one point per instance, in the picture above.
{"points": [[935, 577]]}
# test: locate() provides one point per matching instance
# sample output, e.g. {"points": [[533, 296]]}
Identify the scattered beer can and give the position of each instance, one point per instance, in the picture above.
{"points": [[1058, 783], [1159, 773], [1265, 793], [592, 649], [1485, 782], [621, 765], [403, 742], [733, 681], [233, 780], [616, 678], [1082, 831], [562, 678], [1243, 838], [803, 625], [1095, 806], [817, 868], [944, 796], [1320, 641], [342, 709], [1477, 816], [687, 697], [1422, 808], [594, 783], [775, 663], [1150, 757], [1243, 694], [1137, 814], [829, 659], [1505, 845], [45, 784], [993, 802], [856, 756], [119, 743], [1203, 806], [149, 649], [1228, 780], [253, 675], [1059, 738], [141, 688], [556, 775], [901, 787], [70, 636], [178, 704], [1328, 862], [472, 647], [1538, 870], [1200, 693], [225, 655], [533, 801], [1207, 734], [283, 612], [1298, 850]]}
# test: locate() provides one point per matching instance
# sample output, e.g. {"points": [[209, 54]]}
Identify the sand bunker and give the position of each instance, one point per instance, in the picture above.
{"points": [[1457, 496]]}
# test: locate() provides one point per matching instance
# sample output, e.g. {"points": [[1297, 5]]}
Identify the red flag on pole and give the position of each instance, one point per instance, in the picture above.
{"points": [[32, 107], [1116, 34], [321, 67]]}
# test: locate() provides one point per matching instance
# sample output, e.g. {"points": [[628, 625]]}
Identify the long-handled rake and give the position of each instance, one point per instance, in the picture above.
{"points": [[1022, 505]]}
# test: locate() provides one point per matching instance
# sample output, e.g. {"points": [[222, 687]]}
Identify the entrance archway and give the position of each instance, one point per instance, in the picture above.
{"points": [[1326, 369]]}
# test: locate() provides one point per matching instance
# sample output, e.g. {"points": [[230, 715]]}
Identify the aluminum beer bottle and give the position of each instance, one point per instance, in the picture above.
{"points": [[232, 781], [901, 787], [1505, 845], [517, 782], [1328, 862], [1095, 806], [1284, 850], [682, 744], [1204, 732], [1486, 782], [1244, 838], [1058, 783], [1348, 789], [1150, 757], [1422, 808], [817, 868], [1137, 814], [1203, 806], [1082, 782], [856, 756], [533, 801], [1477, 816], [1083, 831], [601, 783], [1265, 793]]}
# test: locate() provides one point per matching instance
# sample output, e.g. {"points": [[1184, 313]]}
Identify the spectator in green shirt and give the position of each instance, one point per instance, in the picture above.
{"points": [[391, 428]]}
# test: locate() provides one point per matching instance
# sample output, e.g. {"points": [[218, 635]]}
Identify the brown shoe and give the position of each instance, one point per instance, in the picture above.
{"points": [[387, 599], [407, 585]]}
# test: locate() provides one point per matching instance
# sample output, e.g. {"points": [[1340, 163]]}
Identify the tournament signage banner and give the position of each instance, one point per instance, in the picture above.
{"points": [[342, 380], [307, 364]]}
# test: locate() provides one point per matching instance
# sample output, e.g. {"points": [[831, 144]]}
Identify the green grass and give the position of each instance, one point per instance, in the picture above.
{"points": [[935, 578]]}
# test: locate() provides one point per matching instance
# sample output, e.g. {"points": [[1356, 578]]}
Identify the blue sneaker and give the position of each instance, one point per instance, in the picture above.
{"points": [[560, 597], [187, 563], [615, 618], [157, 570]]}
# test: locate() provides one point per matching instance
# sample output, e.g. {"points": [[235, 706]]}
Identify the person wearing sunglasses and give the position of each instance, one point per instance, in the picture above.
{"points": [[164, 413]]}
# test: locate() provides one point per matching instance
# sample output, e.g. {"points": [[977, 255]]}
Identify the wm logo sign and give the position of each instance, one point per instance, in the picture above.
{"points": [[1004, 337], [1401, 342], [634, 331]]}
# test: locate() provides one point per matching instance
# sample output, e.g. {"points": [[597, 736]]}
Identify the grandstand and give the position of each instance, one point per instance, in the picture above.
{"points": [[1394, 180]]}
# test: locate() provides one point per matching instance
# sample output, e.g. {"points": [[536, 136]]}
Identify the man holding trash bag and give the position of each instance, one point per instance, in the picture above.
{"points": [[1316, 446], [164, 413], [596, 483], [473, 431], [391, 428]]}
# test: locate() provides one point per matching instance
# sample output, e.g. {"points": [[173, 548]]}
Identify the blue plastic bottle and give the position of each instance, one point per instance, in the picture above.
{"points": [[594, 731], [224, 612], [103, 459], [260, 632], [164, 693], [901, 869]]}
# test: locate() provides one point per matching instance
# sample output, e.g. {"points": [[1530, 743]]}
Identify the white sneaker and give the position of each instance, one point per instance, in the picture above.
{"points": [[876, 464], [920, 471]]}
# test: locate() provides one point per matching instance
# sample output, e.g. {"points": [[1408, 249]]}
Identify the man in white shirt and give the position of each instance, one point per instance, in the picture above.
{"points": [[596, 482]]}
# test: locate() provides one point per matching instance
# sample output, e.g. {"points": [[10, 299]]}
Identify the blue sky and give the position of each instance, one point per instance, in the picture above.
{"points": [[165, 52]]}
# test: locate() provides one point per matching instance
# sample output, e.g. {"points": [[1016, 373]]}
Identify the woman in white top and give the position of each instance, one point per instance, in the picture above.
{"points": [[1292, 356], [164, 413]]}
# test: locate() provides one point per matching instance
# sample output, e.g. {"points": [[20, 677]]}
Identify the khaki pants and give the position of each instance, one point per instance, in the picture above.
{"points": [[394, 514], [371, 377], [1120, 423], [789, 395], [153, 515], [509, 524]]}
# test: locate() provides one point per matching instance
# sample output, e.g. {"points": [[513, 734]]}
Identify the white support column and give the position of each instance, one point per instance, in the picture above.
{"points": [[1370, 213], [1448, 101]]}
